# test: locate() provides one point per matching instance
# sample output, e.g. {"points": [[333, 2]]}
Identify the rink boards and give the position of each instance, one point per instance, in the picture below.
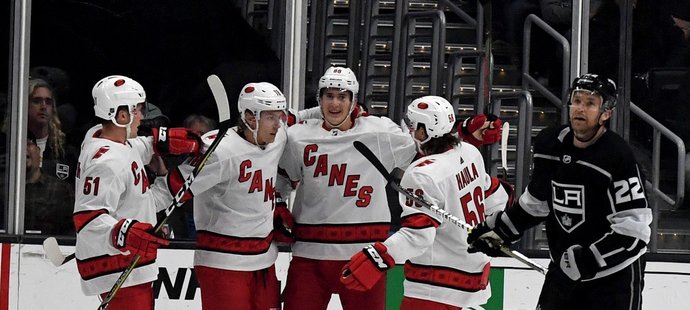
{"points": [[29, 281]]}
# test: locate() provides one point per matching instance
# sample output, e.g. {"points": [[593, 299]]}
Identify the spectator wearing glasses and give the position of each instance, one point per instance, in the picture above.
{"points": [[57, 157]]}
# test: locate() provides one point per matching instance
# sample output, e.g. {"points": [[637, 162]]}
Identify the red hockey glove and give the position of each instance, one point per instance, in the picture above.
{"points": [[135, 237], [488, 236], [489, 127], [578, 263], [283, 223], [175, 141], [367, 267]]}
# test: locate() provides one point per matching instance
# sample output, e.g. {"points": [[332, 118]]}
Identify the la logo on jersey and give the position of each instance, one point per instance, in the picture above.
{"points": [[568, 204]]}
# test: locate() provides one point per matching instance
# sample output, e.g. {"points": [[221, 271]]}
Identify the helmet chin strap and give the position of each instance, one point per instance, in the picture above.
{"points": [[255, 132]]}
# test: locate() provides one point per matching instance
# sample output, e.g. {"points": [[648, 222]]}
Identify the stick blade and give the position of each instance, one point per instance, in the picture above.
{"points": [[505, 131], [52, 249], [221, 97]]}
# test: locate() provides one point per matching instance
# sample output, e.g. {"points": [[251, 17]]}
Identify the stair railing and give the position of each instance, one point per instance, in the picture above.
{"points": [[524, 136], [657, 195], [436, 60], [529, 81]]}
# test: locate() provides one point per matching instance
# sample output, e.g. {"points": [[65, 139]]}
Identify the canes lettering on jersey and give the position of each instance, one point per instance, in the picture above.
{"points": [[337, 175], [257, 181], [140, 175]]}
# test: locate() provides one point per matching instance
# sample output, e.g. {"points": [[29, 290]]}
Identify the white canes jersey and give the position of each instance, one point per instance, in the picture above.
{"points": [[340, 204], [437, 264], [111, 184], [233, 203]]}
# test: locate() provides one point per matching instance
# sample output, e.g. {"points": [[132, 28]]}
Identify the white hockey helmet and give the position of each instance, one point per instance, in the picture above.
{"points": [[115, 91], [261, 96], [341, 78], [435, 112]]}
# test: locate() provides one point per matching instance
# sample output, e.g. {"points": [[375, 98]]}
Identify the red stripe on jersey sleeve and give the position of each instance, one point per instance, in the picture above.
{"points": [[495, 183], [84, 217], [419, 221]]}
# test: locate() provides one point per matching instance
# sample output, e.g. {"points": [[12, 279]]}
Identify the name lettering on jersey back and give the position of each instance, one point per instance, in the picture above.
{"points": [[256, 181], [337, 175], [466, 176]]}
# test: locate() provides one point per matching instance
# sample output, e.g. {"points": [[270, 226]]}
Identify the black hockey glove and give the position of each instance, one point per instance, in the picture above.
{"points": [[488, 236], [578, 263]]}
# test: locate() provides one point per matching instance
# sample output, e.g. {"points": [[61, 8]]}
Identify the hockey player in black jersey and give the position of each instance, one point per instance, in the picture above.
{"points": [[587, 187]]}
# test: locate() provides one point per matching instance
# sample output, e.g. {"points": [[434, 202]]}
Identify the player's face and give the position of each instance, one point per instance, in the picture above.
{"points": [[136, 121], [269, 124], [585, 114], [40, 107], [335, 106]]}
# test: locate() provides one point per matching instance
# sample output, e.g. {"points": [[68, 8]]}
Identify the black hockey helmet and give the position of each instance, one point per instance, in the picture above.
{"points": [[604, 87]]}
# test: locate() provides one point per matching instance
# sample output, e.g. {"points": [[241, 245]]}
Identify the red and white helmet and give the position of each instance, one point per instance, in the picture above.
{"points": [[341, 78], [261, 96], [435, 112], [115, 91]]}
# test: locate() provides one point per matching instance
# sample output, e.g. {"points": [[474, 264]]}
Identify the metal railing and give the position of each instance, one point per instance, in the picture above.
{"points": [[657, 195], [528, 80], [524, 135], [436, 55]]}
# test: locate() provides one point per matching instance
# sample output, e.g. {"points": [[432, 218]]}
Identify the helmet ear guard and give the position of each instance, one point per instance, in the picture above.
{"points": [[435, 112], [600, 85]]}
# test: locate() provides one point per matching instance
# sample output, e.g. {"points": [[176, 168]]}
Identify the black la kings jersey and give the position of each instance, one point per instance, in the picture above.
{"points": [[593, 197]]}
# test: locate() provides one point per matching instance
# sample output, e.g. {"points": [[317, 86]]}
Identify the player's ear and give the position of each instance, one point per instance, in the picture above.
{"points": [[122, 116], [250, 119], [605, 117]]}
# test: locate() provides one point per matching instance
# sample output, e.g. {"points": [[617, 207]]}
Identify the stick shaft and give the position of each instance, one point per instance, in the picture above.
{"points": [[443, 213]]}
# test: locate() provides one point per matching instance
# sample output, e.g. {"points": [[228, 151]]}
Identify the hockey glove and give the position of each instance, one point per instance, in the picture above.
{"points": [[175, 141], [283, 223], [490, 235], [578, 263], [366, 268], [137, 238], [489, 127]]}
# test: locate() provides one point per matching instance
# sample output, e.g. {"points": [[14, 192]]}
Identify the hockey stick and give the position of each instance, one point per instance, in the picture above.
{"points": [[505, 130], [52, 250], [223, 105], [443, 213]]}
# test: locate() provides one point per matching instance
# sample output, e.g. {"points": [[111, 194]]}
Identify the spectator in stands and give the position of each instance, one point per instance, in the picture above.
{"points": [[199, 124], [48, 201], [57, 157]]}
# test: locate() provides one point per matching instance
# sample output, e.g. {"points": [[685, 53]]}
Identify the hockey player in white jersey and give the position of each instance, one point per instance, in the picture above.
{"points": [[587, 187], [234, 202], [439, 272], [340, 203], [114, 203]]}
